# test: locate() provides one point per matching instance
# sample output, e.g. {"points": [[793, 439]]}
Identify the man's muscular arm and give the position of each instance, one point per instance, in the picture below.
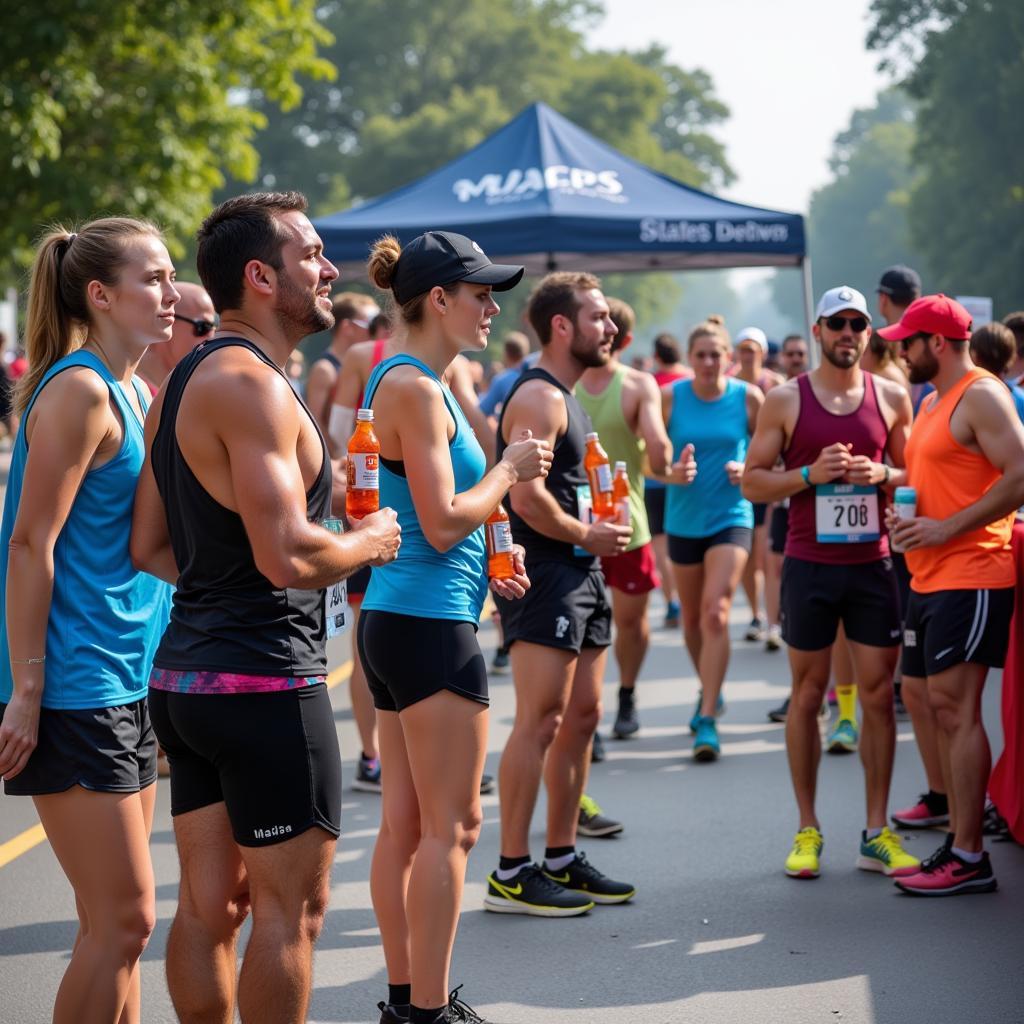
{"points": [[649, 423], [540, 408]]}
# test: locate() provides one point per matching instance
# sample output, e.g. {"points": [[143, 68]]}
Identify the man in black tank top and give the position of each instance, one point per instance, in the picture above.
{"points": [[229, 508], [560, 632]]}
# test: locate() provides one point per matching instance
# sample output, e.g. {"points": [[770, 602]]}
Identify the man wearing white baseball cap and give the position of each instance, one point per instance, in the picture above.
{"points": [[833, 428]]}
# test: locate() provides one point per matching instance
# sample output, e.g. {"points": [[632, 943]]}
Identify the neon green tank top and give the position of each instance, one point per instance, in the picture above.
{"points": [[622, 445]]}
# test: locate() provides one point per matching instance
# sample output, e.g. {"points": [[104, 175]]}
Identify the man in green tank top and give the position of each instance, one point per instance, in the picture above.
{"points": [[625, 407]]}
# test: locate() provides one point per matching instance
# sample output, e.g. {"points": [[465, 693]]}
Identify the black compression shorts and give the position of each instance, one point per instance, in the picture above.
{"points": [[691, 550], [273, 759]]}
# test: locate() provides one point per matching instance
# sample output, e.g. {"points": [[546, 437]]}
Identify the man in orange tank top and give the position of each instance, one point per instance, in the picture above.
{"points": [[965, 460]]}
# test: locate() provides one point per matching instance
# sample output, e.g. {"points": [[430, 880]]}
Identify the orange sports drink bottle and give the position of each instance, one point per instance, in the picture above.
{"points": [[499, 545], [599, 476], [363, 494], [620, 495]]}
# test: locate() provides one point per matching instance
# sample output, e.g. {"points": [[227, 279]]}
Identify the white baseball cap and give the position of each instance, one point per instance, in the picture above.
{"points": [[844, 297], [753, 334]]}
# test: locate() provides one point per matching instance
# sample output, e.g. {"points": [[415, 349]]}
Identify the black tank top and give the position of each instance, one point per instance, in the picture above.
{"points": [[227, 616], [566, 474]]}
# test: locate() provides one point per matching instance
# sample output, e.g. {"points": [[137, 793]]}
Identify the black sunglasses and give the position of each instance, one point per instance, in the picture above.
{"points": [[905, 343], [201, 328], [837, 323]]}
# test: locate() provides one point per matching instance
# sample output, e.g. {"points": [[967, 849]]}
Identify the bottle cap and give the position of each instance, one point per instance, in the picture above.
{"points": [[620, 465], [904, 495], [365, 415], [592, 436]]}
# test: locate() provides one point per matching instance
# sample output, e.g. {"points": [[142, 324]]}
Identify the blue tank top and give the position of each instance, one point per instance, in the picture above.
{"points": [[422, 581], [718, 432], [105, 617]]}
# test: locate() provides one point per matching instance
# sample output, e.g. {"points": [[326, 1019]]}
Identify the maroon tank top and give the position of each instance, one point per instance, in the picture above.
{"points": [[816, 428]]}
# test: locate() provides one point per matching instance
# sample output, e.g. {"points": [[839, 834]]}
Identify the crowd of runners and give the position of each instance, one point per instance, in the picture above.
{"points": [[174, 517]]}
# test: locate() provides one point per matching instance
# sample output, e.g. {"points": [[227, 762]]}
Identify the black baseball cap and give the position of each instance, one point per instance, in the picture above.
{"points": [[443, 258], [901, 284]]}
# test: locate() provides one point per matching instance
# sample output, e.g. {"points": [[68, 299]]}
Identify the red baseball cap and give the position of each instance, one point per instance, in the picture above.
{"points": [[931, 314]]}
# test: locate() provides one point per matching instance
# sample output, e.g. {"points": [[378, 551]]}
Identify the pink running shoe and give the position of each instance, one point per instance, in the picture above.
{"points": [[928, 812], [945, 874]]}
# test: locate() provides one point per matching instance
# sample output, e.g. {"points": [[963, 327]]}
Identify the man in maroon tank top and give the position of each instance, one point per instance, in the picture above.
{"points": [[833, 428]]}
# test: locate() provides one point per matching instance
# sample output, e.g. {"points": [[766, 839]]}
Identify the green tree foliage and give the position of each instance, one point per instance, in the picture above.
{"points": [[117, 108], [966, 212]]}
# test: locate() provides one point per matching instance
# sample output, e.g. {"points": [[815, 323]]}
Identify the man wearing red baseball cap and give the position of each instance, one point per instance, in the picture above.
{"points": [[965, 461]]}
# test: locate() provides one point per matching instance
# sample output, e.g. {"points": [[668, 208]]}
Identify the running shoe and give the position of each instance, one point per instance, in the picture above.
{"points": [[755, 631], [992, 822], [593, 823], [671, 615], [389, 1015], [582, 878], [533, 892], [779, 714], [844, 737], [885, 853], [705, 741], [597, 749], [804, 860], [945, 874], [930, 811], [367, 778], [773, 640], [500, 664], [626, 722], [486, 784], [460, 1012], [719, 709]]}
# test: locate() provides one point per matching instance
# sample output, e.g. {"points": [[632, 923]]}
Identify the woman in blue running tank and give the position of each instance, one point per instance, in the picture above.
{"points": [[710, 420], [417, 631], [80, 625]]}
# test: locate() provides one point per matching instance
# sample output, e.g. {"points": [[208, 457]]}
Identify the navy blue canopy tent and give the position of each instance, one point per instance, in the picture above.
{"points": [[545, 193]]}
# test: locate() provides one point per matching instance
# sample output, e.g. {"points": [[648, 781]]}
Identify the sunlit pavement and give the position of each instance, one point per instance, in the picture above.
{"points": [[716, 933]]}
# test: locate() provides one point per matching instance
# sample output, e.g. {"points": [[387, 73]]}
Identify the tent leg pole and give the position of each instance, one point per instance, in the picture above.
{"points": [[808, 289]]}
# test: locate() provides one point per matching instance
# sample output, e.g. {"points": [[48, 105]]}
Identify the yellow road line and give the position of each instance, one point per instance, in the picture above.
{"points": [[339, 675], [21, 844]]}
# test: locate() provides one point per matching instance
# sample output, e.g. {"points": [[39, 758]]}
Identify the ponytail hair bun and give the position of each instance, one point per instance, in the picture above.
{"points": [[383, 261]]}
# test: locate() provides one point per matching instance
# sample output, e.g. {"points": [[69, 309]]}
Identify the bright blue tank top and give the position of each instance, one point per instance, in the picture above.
{"points": [[422, 581], [106, 618], [718, 432]]}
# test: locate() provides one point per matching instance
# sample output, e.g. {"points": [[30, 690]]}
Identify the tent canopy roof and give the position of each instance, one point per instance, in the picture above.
{"points": [[545, 193]]}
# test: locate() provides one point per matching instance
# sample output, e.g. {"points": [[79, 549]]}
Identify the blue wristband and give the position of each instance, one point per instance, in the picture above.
{"points": [[805, 472]]}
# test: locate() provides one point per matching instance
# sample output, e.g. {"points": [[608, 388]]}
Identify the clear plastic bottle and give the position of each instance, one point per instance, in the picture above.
{"points": [[904, 505], [599, 476], [500, 565], [363, 494]]}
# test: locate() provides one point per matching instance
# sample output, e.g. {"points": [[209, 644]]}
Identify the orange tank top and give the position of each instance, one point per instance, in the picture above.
{"points": [[948, 478]]}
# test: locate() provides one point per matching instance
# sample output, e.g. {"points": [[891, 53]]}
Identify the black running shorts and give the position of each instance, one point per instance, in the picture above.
{"points": [[691, 550], [951, 627], [779, 528], [272, 758], [654, 502], [566, 607], [817, 596], [899, 564], [407, 658], [110, 750], [760, 513], [357, 583]]}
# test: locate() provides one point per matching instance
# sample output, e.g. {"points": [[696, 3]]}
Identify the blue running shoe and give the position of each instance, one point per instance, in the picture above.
{"points": [[705, 740], [719, 709]]}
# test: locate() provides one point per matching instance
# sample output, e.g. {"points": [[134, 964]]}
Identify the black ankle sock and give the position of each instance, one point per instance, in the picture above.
{"points": [[399, 996], [417, 1015], [510, 863], [551, 852], [626, 697]]}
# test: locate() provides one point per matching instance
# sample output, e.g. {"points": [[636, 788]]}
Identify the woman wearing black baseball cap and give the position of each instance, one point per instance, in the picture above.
{"points": [[417, 631]]}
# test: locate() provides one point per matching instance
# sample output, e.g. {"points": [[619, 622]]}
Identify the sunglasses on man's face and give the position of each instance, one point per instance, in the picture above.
{"points": [[907, 343], [200, 328], [837, 323]]}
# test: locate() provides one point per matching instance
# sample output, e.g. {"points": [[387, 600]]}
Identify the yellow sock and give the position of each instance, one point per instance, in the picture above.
{"points": [[847, 696]]}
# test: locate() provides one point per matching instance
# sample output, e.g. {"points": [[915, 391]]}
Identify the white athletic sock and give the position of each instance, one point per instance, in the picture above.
{"points": [[509, 874], [967, 855], [557, 863]]}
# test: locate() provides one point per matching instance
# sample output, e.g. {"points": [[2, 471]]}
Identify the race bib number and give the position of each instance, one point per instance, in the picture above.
{"points": [[337, 612], [585, 514], [846, 514]]}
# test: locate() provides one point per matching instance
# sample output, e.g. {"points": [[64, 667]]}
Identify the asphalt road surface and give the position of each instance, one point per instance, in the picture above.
{"points": [[717, 934]]}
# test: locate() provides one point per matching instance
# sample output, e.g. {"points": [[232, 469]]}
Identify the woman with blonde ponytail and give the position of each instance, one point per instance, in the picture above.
{"points": [[80, 625]]}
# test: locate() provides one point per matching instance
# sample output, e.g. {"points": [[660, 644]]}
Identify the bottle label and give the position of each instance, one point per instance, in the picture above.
{"points": [[500, 537], [624, 515], [604, 476], [363, 471]]}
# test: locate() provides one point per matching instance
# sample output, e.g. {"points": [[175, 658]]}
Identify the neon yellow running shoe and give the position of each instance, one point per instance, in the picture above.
{"points": [[885, 853], [803, 859]]}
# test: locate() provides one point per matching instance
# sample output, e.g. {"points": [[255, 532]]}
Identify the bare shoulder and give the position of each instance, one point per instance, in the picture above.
{"points": [[889, 388], [79, 385], [233, 388], [986, 394], [640, 383]]}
